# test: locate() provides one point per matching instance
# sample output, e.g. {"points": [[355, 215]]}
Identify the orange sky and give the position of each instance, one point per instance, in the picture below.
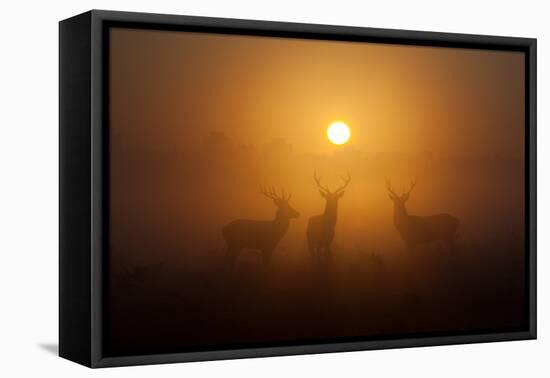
{"points": [[169, 89]]}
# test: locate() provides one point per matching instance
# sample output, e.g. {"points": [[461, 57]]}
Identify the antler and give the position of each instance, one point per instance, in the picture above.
{"points": [[388, 186], [271, 193], [318, 182], [346, 182], [413, 184], [285, 196], [268, 192]]}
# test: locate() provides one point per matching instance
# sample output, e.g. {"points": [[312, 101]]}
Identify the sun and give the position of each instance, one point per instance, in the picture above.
{"points": [[338, 133]]}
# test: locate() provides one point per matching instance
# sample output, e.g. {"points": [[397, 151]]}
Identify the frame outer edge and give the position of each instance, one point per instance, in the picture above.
{"points": [[317, 29], [532, 127], [74, 189], [97, 192], [99, 17]]}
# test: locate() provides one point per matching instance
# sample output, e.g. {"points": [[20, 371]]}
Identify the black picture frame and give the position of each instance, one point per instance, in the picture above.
{"points": [[83, 115]]}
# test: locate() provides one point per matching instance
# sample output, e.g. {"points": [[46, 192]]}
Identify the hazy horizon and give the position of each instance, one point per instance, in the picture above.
{"points": [[393, 97]]}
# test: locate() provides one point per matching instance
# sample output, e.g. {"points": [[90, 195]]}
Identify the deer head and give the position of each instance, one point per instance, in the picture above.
{"points": [[399, 200], [284, 210], [331, 197]]}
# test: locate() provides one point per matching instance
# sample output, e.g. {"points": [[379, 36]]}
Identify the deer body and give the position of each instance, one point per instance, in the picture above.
{"points": [[415, 230], [263, 236], [320, 231], [320, 228], [252, 234]]}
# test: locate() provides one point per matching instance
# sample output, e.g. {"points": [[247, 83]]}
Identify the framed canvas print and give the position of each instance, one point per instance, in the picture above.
{"points": [[233, 188]]}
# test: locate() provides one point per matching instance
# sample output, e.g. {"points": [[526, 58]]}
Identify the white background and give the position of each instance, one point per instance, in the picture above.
{"points": [[29, 186]]}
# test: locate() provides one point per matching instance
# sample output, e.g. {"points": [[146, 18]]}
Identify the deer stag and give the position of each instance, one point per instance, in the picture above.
{"points": [[415, 230], [320, 229], [260, 235]]}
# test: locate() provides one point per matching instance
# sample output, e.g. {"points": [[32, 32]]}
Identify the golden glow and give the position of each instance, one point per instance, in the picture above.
{"points": [[338, 133]]}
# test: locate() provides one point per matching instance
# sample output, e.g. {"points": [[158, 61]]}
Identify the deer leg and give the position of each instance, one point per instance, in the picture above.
{"points": [[450, 244], [231, 255], [267, 256], [328, 254], [311, 247], [313, 251]]}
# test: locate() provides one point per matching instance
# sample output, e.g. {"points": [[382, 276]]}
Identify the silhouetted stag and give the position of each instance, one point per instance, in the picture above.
{"points": [[320, 229], [260, 235], [415, 230]]}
